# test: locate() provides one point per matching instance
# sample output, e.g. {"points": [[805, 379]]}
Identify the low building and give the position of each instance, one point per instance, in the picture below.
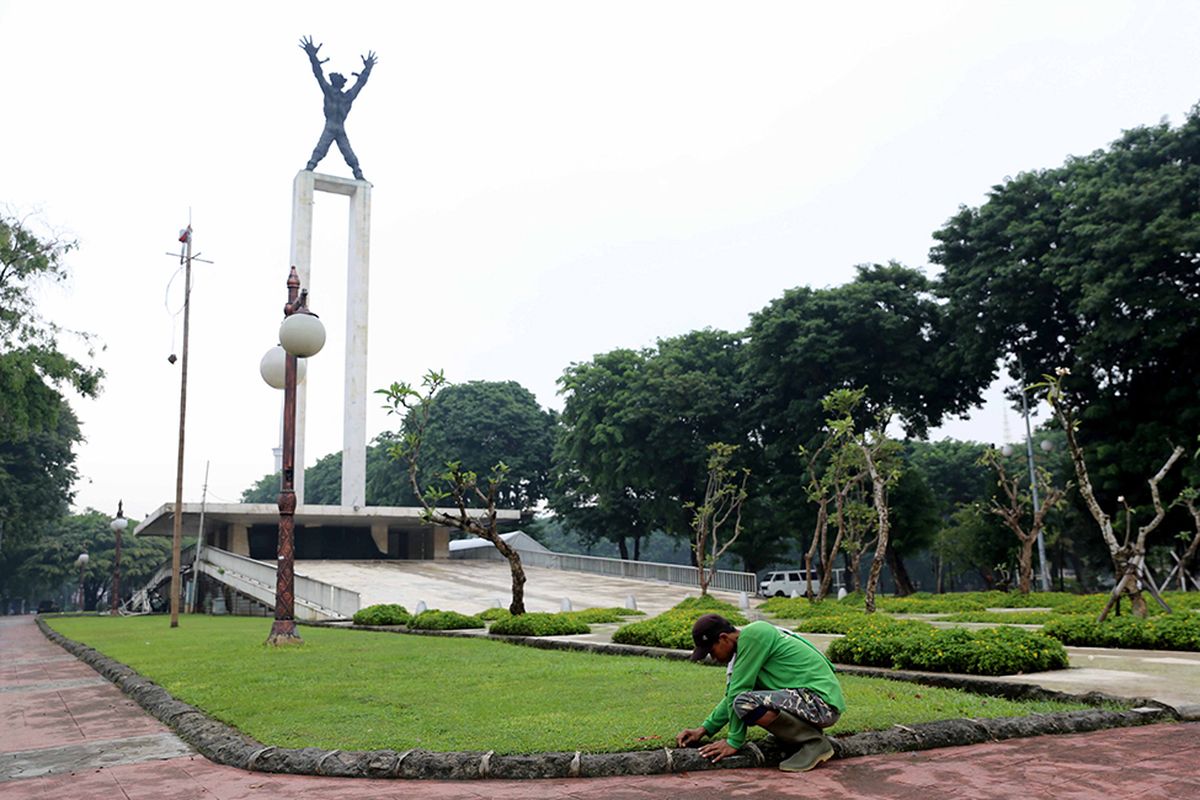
{"points": [[321, 532]]}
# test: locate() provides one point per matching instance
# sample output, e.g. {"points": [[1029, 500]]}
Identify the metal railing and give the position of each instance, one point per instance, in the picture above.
{"points": [[314, 600], [679, 574]]}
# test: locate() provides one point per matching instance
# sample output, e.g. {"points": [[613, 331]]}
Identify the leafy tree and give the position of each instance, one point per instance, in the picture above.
{"points": [[951, 469], [636, 425], [1016, 506], [38, 432], [47, 564], [882, 332], [482, 423], [724, 495], [1092, 266], [914, 524]]}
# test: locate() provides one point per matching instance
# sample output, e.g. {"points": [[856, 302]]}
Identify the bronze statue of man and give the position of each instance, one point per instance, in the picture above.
{"points": [[337, 106]]}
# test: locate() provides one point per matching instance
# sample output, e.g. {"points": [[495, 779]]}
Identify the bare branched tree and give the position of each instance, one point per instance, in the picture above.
{"points": [[1128, 556], [460, 487], [1017, 509], [724, 495]]}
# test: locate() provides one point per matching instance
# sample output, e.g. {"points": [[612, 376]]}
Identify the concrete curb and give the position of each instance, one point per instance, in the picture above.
{"points": [[223, 744]]}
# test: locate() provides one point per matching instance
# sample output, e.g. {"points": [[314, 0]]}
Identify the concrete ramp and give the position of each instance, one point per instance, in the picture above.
{"points": [[473, 586]]}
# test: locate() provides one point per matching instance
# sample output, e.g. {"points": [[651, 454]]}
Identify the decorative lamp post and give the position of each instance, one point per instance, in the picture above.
{"points": [[81, 562], [118, 525], [301, 335]]}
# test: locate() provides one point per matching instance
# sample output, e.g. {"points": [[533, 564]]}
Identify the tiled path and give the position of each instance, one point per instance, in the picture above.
{"points": [[67, 733]]}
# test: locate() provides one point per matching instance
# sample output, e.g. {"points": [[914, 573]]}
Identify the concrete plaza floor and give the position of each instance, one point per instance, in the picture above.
{"points": [[471, 586]]}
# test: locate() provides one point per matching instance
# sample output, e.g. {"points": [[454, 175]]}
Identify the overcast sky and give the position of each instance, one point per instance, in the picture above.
{"points": [[552, 180]]}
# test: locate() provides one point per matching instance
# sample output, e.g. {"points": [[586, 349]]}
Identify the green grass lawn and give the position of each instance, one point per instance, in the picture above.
{"points": [[356, 690]]}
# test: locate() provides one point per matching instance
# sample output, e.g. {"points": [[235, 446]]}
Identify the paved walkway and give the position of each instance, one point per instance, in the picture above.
{"points": [[67, 733]]}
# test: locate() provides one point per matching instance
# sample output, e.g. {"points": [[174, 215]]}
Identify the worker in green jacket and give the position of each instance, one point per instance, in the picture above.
{"points": [[776, 679]]}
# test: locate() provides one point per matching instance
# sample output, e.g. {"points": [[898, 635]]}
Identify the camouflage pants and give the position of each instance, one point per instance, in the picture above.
{"points": [[805, 704]]}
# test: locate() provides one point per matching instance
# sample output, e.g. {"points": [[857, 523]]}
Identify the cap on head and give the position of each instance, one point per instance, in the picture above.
{"points": [[705, 633]]}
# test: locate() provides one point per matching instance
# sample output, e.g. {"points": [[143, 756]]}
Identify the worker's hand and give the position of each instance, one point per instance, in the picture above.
{"points": [[690, 737], [717, 750]]}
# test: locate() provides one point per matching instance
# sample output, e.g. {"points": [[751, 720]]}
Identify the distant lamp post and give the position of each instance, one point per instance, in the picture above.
{"points": [[300, 336], [81, 562], [118, 525]]}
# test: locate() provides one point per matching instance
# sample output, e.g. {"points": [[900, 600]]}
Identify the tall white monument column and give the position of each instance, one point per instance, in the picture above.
{"points": [[354, 420]]}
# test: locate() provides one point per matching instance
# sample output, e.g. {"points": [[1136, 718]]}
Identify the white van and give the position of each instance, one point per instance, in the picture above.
{"points": [[783, 584]]}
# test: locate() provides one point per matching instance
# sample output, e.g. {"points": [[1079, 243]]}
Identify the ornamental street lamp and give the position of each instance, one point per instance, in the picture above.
{"points": [[81, 562], [301, 335], [118, 525]]}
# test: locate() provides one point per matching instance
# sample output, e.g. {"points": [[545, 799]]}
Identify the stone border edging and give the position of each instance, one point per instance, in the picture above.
{"points": [[226, 745]]}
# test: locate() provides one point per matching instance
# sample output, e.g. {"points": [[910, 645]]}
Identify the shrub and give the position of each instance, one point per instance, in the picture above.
{"points": [[382, 614], [435, 620], [539, 624], [803, 608], [1179, 631], [871, 642], [673, 628], [598, 615], [993, 651], [707, 604], [493, 614]]}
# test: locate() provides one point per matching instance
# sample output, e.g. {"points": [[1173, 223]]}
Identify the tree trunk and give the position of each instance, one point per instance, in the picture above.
{"points": [[622, 549], [818, 538], [517, 606], [1025, 564], [637, 547], [879, 491], [855, 560], [904, 586]]}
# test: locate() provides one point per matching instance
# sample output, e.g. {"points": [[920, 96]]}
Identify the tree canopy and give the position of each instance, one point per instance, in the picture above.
{"points": [[38, 432], [480, 423], [1094, 266]]}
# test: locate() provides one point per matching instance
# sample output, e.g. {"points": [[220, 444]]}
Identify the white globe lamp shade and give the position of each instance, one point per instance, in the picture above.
{"points": [[1046, 445], [1006, 451], [273, 364], [82, 560], [119, 524], [302, 335]]}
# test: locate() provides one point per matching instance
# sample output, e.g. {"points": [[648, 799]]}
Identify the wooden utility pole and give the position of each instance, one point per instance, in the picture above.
{"points": [[185, 236]]}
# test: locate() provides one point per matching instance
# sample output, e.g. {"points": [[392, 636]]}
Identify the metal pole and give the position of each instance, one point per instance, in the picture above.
{"points": [[192, 588], [116, 592], [1041, 540], [177, 532], [283, 629]]}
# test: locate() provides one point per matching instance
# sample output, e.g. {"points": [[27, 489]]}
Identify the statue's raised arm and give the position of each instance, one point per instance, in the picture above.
{"points": [[369, 61], [306, 44]]}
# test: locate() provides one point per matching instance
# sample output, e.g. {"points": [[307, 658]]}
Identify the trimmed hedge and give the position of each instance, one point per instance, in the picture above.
{"points": [[493, 614], [803, 608], [1003, 617], [382, 614], [435, 620], [673, 628], [599, 615], [539, 624], [1178, 631], [916, 645]]}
